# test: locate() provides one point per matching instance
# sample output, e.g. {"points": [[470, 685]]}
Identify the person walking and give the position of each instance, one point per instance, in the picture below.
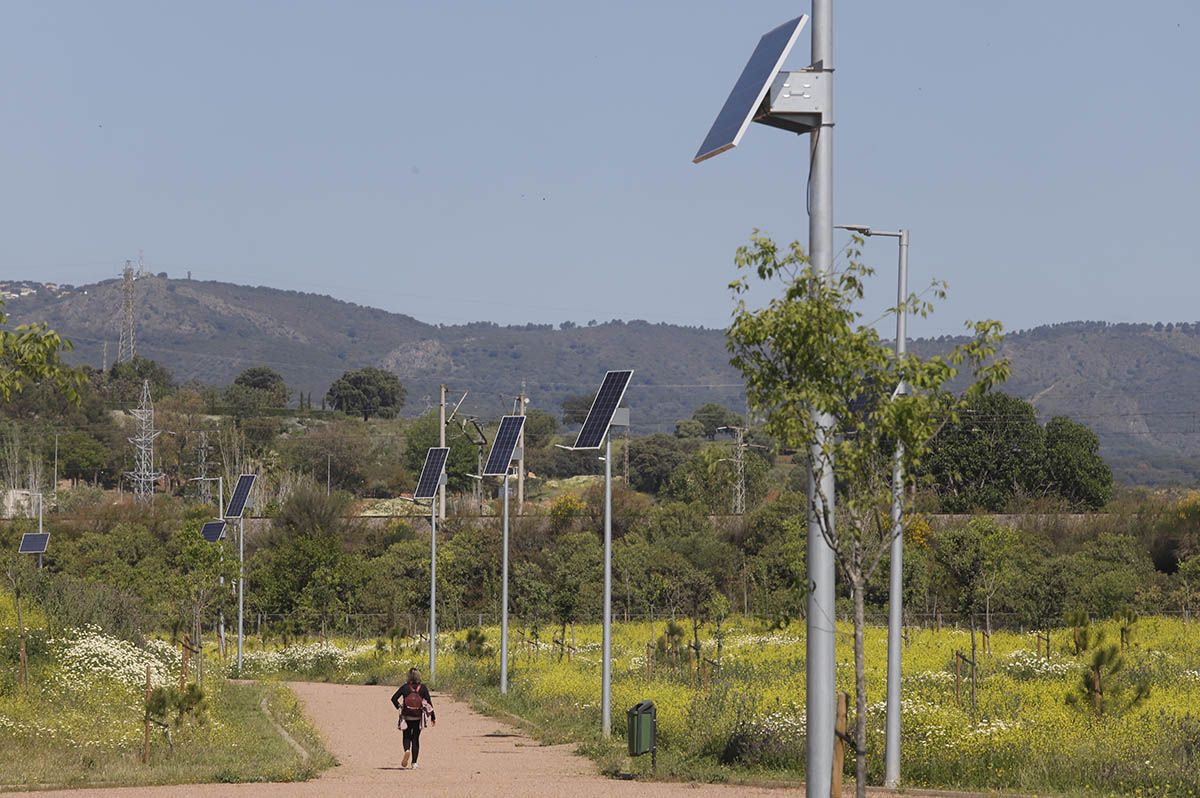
{"points": [[416, 709]]}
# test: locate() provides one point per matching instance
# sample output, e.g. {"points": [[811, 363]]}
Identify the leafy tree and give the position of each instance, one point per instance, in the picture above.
{"points": [[1039, 588], [689, 428], [397, 584], [976, 563], [126, 377], [255, 389], [991, 453], [1106, 574], [575, 408], [1074, 468], [422, 434], [304, 571], [808, 350], [554, 463], [712, 417], [540, 428], [367, 392], [268, 382], [340, 450], [653, 458], [708, 477], [81, 456], [32, 353]]}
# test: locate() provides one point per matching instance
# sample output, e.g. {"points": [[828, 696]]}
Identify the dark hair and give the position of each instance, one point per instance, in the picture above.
{"points": [[414, 676]]}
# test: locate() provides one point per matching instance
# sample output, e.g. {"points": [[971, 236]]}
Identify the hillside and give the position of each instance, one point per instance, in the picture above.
{"points": [[1127, 381], [209, 331]]}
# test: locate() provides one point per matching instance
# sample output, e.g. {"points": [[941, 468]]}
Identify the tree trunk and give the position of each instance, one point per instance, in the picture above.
{"points": [[987, 625], [860, 690]]}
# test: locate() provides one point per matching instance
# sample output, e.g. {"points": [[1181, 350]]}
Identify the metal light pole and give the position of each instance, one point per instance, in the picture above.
{"points": [[891, 776], [606, 412], [433, 515], [821, 685], [801, 101], [606, 664], [504, 597], [40, 529], [221, 579], [241, 589]]}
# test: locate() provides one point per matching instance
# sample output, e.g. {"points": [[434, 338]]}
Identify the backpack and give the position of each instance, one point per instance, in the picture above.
{"points": [[413, 706]]}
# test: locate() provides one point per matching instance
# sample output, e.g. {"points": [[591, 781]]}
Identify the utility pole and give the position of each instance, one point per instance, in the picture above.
{"points": [[127, 347], [441, 497], [202, 464], [55, 469], [522, 400]]}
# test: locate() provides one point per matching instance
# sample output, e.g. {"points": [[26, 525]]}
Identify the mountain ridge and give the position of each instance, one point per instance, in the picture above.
{"points": [[1127, 381]]}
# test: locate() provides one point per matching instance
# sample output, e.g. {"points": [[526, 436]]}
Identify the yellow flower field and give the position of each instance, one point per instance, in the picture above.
{"points": [[747, 717]]}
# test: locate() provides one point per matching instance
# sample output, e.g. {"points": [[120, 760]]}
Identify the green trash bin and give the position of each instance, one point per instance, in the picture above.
{"points": [[642, 726]]}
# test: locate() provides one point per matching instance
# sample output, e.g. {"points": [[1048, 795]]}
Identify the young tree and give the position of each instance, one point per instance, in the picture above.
{"points": [[808, 351], [1187, 585]]}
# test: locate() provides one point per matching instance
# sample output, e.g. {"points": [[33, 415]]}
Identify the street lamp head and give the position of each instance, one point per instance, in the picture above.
{"points": [[862, 229]]}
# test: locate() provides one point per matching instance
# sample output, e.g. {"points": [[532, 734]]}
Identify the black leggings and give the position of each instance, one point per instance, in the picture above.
{"points": [[412, 738]]}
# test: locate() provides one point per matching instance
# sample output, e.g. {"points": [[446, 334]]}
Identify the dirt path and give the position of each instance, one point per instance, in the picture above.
{"points": [[466, 755]]}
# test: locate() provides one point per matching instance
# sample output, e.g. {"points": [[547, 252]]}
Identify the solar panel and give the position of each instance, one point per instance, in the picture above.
{"points": [[237, 502], [595, 426], [34, 543], [751, 87], [431, 474], [213, 530], [504, 445]]}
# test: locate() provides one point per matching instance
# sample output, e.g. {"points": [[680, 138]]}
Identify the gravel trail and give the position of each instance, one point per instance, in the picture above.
{"points": [[466, 755]]}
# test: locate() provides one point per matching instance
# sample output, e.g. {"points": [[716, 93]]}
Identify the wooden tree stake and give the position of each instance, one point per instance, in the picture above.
{"points": [[146, 723], [839, 745]]}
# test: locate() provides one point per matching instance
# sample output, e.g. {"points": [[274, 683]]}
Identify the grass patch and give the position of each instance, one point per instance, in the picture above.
{"points": [[80, 722]]}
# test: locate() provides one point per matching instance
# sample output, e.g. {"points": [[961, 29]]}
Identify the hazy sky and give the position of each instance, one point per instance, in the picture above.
{"points": [[531, 161]]}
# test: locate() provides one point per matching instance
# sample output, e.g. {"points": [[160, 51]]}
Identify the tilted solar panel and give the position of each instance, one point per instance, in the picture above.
{"points": [[608, 398], [751, 87], [431, 474], [237, 503], [501, 455], [34, 543], [213, 530]]}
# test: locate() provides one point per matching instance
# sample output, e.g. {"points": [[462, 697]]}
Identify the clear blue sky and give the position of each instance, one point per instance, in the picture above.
{"points": [[530, 161]]}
